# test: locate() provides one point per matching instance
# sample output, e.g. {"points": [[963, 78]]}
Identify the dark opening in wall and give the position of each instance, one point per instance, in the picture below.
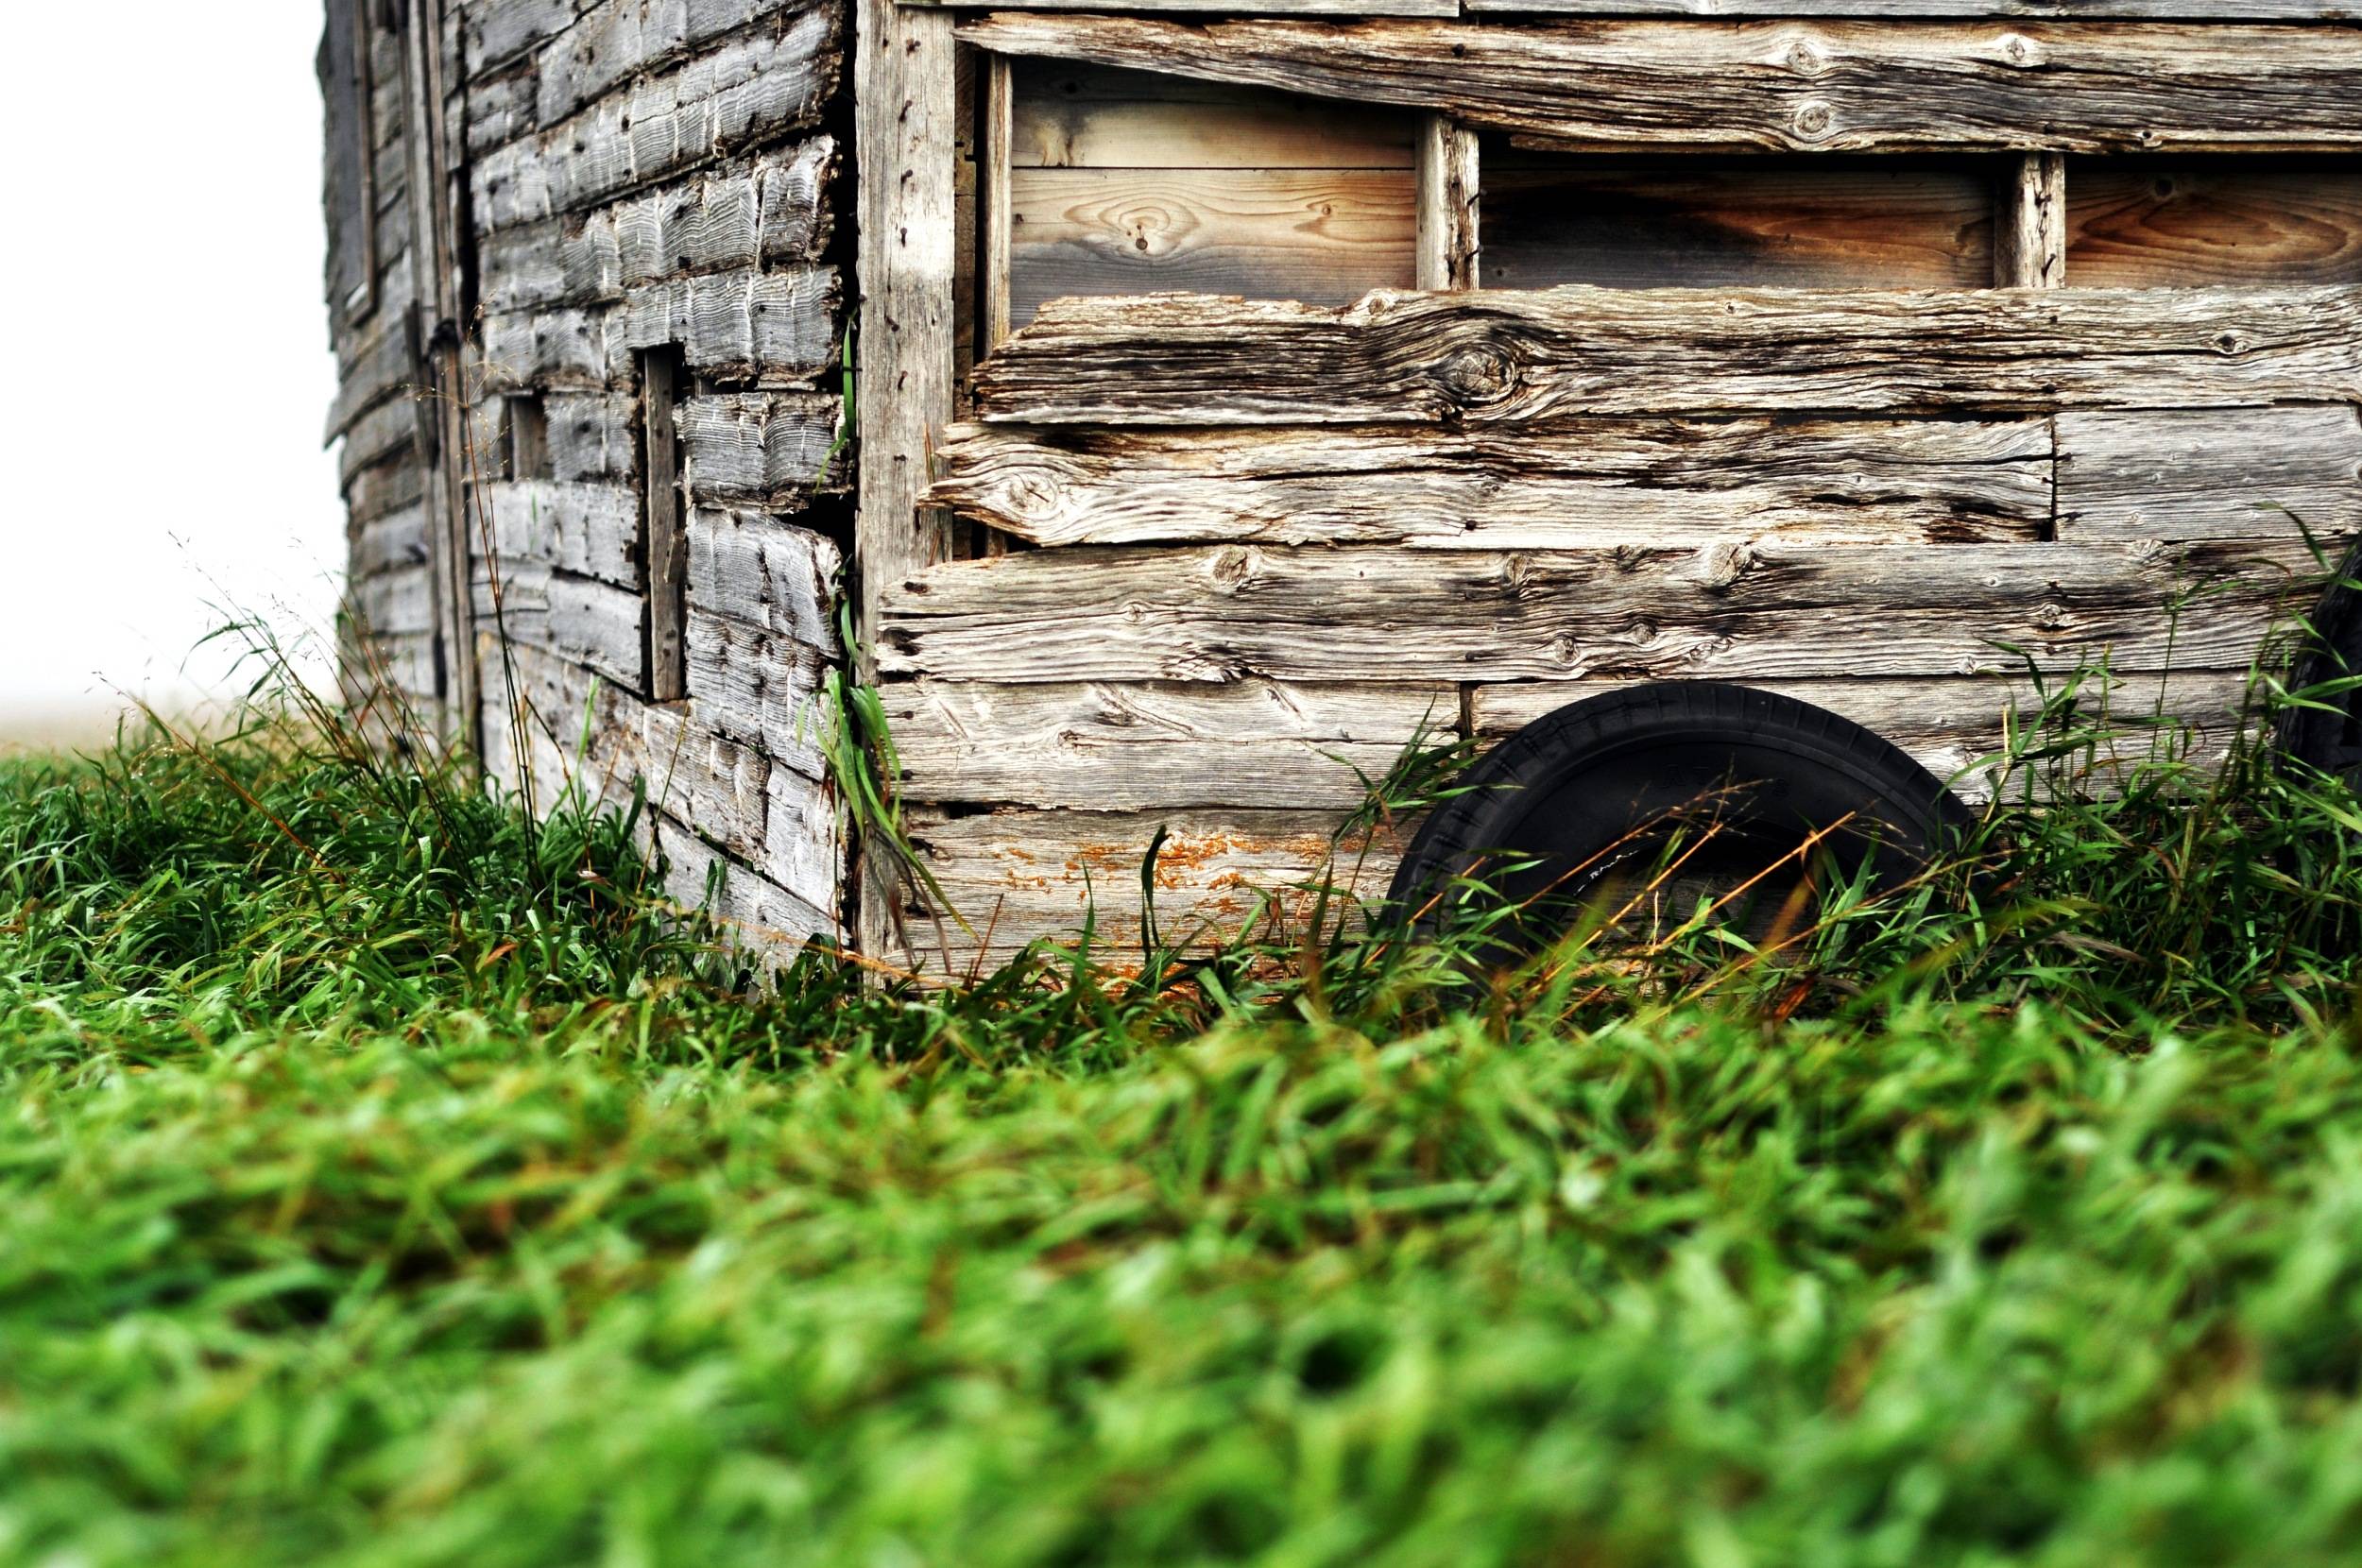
{"points": [[524, 437], [663, 532]]}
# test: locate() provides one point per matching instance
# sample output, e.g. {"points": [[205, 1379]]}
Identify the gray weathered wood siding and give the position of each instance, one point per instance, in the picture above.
{"points": [[631, 179]]}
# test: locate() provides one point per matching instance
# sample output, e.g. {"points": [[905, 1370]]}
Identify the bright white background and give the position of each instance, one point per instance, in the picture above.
{"points": [[167, 370]]}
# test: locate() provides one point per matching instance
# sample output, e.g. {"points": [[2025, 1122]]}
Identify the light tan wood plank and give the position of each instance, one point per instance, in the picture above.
{"points": [[1560, 485], [2030, 226], [1086, 116], [1447, 205], [1322, 235], [2269, 473]]}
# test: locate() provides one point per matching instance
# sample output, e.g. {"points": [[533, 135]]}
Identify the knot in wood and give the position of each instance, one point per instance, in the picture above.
{"points": [[1805, 58], [1813, 120], [2017, 49], [1232, 566], [1481, 373], [1031, 495], [1720, 567]]}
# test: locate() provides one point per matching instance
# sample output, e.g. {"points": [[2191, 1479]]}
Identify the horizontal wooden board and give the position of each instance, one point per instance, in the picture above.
{"points": [[1236, 612], [1512, 355], [590, 438], [1829, 222], [1964, 730], [581, 619], [1066, 116], [2212, 474], [759, 86], [1548, 486], [1898, 11], [1021, 875], [1328, 236], [776, 326], [2195, 222], [575, 348], [766, 573], [590, 530], [397, 600], [1131, 746], [767, 447], [1806, 87], [757, 687], [392, 540]]}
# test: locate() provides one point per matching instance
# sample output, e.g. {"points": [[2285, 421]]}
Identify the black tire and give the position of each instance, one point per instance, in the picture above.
{"points": [[2332, 742], [1570, 788]]}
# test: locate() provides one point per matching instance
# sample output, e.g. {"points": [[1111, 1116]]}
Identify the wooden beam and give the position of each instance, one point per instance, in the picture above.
{"points": [[2029, 223], [1924, 10], [994, 149], [1447, 183], [1235, 612], [1497, 356], [664, 540], [2212, 474], [1556, 485], [1808, 87], [905, 130]]}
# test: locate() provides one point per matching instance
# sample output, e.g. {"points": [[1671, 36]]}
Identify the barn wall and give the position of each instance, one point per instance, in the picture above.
{"points": [[652, 210]]}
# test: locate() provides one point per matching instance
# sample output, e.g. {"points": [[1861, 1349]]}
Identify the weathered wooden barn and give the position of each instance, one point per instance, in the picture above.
{"points": [[1244, 390]]}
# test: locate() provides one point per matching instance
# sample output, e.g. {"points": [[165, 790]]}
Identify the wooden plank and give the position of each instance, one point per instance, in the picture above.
{"points": [[760, 86], [1806, 87], [766, 573], [663, 534], [591, 437], [391, 540], [1786, 610], [754, 911], [1133, 746], [1832, 221], [993, 153], [1022, 875], [1447, 203], [765, 327], [2215, 474], [1272, 7], [1069, 116], [905, 126], [1902, 11], [561, 348], [589, 530], [399, 598], [2194, 222], [1551, 485], [1503, 355], [765, 447], [1328, 236], [759, 688], [581, 619], [2029, 224]]}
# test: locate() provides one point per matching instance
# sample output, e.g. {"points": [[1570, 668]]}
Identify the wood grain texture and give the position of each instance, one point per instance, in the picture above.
{"points": [[1739, 611], [1081, 117], [1902, 10], [591, 437], [771, 328], [1550, 486], [2199, 222], [1326, 236], [1500, 356], [1961, 729], [2029, 224], [589, 530], [2217, 474], [1627, 221], [756, 87], [1804, 87], [1448, 194], [393, 539], [762, 447], [579, 619], [906, 126], [663, 531], [1022, 875], [766, 573], [1273, 8], [1133, 746], [757, 687], [995, 216]]}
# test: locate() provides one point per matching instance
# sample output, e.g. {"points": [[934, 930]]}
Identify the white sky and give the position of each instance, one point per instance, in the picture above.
{"points": [[167, 368]]}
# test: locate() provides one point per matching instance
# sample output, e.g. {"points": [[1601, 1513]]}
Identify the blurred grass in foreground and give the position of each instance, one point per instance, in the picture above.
{"points": [[386, 1179]]}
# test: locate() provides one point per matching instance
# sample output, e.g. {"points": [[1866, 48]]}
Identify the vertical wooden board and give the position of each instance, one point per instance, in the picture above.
{"points": [[1721, 222], [2139, 222], [1322, 236], [2211, 474], [905, 130], [993, 196], [2029, 223], [664, 538], [1448, 204]]}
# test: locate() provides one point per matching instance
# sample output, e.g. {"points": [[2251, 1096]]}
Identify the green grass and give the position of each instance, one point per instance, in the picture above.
{"points": [[386, 1179]]}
